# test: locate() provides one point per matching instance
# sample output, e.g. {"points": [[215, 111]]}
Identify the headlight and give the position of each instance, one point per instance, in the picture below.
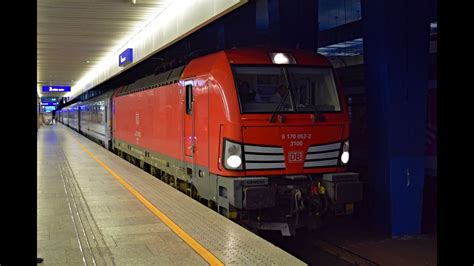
{"points": [[234, 161], [345, 153], [282, 58], [232, 155]]}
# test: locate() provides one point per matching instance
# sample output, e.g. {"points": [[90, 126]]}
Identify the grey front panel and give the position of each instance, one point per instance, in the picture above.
{"points": [[231, 189]]}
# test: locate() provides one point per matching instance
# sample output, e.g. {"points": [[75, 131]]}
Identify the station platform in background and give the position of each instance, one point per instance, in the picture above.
{"points": [[95, 208]]}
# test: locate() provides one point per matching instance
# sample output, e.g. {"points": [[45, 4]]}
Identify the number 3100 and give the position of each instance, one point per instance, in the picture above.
{"points": [[297, 143]]}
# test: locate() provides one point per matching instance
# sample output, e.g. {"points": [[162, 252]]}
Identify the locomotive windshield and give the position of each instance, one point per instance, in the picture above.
{"points": [[262, 88]]}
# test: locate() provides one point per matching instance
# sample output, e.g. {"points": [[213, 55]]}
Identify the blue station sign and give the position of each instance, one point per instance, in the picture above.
{"points": [[48, 109], [49, 104], [48, 99], [56, 88], [126, 57]]}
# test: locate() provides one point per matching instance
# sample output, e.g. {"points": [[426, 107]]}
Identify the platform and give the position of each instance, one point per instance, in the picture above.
{"points": [[95, 208]]}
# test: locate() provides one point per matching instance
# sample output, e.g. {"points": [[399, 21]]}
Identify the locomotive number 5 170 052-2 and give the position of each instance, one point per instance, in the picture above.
{"points": [[296, 136]]}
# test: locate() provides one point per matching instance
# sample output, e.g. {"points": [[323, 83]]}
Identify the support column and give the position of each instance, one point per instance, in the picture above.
{"points": [[396, 50]]}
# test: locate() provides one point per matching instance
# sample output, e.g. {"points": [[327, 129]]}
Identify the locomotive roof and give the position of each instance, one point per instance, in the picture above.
{"points": [[251, 56], [262, 56]]}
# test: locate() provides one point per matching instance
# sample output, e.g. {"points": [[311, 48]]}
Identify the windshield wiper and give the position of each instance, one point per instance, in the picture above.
{"points": [[277, 109]]}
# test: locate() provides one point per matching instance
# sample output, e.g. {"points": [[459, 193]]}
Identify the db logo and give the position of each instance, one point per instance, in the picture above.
{"points": [[295, 156]]}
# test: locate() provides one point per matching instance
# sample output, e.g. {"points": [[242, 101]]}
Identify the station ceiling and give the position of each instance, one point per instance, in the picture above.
{"points": [[72, 35], [79, 41]]}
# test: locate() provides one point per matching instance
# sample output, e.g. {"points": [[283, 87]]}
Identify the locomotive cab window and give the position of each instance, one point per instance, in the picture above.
{"points": [[189, 99], [261, 89], [314, 89]]}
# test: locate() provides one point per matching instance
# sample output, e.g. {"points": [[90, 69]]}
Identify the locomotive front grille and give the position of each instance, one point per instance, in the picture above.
{"points": [[326, 155], [264, 157], [273, 158]]}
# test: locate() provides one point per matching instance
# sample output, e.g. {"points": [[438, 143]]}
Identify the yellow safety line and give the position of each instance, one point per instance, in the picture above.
{"points": [[203, 252]]}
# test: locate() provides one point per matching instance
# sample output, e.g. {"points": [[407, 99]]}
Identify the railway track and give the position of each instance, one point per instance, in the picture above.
{"points": [[342, 253], [316, 250]]}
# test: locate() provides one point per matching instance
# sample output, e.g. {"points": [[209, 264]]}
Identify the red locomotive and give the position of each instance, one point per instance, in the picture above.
{"points": [[261, 135]]}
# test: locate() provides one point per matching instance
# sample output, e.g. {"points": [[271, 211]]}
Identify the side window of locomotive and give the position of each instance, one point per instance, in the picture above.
{"points": [[314, 89], [189, 99]]}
